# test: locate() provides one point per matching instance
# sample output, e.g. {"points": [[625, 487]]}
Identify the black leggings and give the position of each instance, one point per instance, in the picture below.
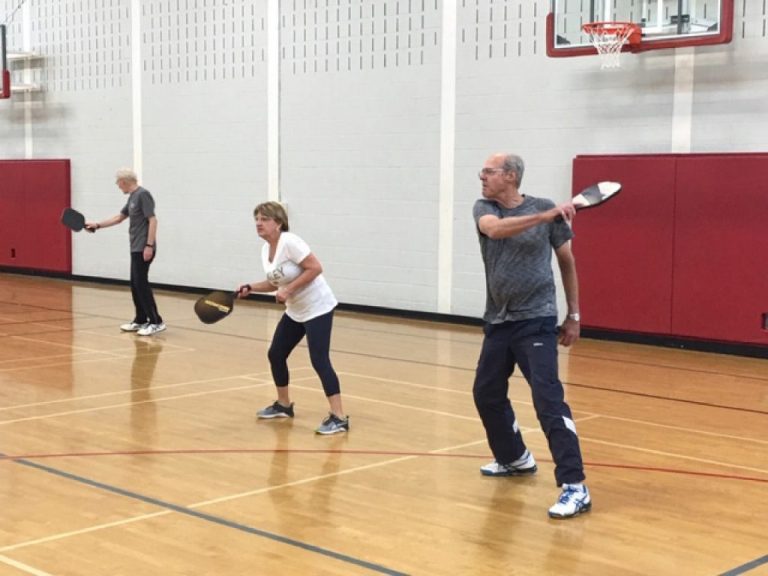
{"points": [[143, 299], [288, 334]]}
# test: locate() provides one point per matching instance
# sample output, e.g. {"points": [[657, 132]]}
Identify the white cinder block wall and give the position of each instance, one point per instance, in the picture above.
{"points": [[384, 110]]}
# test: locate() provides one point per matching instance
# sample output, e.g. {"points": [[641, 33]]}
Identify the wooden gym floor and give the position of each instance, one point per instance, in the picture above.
{"points": [[124, 455]]}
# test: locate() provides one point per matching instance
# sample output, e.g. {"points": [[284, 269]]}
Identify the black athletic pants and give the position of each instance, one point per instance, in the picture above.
{"points": [[288, 334], [143, 299]]}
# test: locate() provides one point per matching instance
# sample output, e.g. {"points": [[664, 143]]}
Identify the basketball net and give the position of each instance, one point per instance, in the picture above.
{"points": [[609, 38]]}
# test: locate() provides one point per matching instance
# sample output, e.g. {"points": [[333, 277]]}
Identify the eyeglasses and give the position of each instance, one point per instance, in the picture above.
{"points": [[488, 171]]}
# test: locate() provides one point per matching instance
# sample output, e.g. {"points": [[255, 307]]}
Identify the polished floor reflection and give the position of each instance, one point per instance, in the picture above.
{"points": [[142, 456]]}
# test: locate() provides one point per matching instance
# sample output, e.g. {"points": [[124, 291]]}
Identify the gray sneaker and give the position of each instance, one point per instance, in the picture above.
{"points": [[276, 410], [523, 466], [333, 425]]}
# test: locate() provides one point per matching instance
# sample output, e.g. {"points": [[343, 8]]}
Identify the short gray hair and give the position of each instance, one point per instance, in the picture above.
{"points": [[126, 174], [513, 163]]}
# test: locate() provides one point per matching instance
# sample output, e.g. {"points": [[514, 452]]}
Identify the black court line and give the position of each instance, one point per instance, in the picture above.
{"points": [[746, 567], [214, 519], [399, 453], [666, 398]]}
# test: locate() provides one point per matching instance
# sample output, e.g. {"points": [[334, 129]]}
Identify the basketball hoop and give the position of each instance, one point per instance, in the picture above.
{"points": [[610, 37]]}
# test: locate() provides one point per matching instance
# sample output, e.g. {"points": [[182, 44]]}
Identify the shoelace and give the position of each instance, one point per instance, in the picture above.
{"points": [[567, 494]]}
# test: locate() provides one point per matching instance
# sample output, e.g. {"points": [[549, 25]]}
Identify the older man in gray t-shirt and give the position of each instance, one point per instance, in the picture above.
{"points": [[518, 269], [518, 235], [142, 235]]}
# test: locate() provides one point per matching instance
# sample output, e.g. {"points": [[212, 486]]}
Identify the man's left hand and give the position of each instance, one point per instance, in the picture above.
{"points": [[569, 332]]}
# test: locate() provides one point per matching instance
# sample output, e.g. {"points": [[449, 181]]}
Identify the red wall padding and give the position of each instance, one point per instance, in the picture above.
{"points": [[682, 251], [721, 248], [623, 248], [33, 194]]}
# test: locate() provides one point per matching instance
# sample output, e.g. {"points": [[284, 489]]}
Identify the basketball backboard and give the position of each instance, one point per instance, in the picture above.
{"points": [[664, 23]]}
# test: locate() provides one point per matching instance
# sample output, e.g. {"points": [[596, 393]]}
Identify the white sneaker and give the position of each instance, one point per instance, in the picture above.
{"points": [[574, 500], [132, 327], [151, 329], [523, 466]]}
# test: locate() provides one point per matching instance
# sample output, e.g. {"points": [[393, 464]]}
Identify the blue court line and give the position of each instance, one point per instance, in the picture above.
{"points": [[746, 567], [214, 519]]}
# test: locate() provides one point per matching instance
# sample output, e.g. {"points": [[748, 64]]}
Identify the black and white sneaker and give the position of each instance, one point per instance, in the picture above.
{"points": [[151, 329], [523, 466], [574, 500]]}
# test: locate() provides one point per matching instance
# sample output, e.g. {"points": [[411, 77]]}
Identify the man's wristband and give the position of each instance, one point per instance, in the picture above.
{"points": [[150, 245], [575, 317]]}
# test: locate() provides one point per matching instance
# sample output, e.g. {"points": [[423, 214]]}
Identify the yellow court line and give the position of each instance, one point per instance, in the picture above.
{"points": [[30, 361], [684, 429], [124, 404], [395, 404], [292, 484], [588, 416], [255, 376], [231, 497], [674, 455], [474, 418], [529, 403], [57, 364], [59, 344], [120, 354], [269, 373], [126, 347], [128, 336], [97, 527], [435, 388], [152, 388], [330, 475], [23, 567], [405, 383], [117, 355]]}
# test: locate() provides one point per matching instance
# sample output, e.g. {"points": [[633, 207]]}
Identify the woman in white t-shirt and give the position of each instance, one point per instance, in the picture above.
{"points": [[296, 274]]}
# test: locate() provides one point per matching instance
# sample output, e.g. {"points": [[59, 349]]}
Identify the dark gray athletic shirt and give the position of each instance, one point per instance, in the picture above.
{"points": [[139, 208], [518, 270]]}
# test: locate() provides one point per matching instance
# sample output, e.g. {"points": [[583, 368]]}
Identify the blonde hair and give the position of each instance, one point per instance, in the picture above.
{"points": [[275, 211], [126, 174]]}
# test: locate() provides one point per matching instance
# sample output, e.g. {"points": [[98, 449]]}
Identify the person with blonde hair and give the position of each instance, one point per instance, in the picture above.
{"points": [[142, 235], [297, 276]]}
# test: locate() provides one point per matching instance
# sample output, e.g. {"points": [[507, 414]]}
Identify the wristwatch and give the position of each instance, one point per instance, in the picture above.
{"points": [[575, 317], [150, 245]]}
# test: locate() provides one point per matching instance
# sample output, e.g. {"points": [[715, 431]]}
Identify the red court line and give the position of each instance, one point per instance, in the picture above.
{"points": [[363, 453]]}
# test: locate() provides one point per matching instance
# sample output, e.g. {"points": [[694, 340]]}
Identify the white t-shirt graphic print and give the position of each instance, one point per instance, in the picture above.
{"points": [[310, 301]]}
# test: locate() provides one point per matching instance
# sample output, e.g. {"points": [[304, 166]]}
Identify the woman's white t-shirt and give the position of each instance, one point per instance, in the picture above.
{"points": [[310, 301]]}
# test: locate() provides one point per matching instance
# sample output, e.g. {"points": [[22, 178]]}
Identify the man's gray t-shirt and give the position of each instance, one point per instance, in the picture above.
{"points": [[518, 270], [139, 208]]}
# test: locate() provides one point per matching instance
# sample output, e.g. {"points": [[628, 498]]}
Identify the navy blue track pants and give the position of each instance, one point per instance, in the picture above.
{"points": [[531, 345]]}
